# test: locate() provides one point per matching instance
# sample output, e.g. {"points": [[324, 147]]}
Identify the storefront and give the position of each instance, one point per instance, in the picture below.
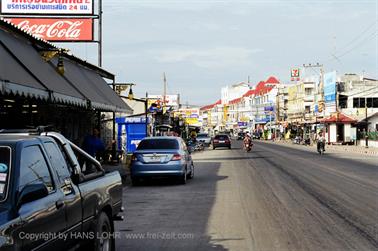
{"points": [[340, 129], [41, 84]]}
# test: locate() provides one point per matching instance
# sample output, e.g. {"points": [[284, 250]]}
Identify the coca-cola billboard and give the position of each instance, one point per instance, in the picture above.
{"points": [[58, 30], [47, 7]]}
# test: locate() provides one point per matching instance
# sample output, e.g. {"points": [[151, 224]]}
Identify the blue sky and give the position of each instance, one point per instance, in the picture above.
{"points": [[204, 45]]}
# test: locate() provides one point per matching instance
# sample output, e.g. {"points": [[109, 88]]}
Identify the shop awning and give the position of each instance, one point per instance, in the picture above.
{"points": [[339, 118], [24, 72]]}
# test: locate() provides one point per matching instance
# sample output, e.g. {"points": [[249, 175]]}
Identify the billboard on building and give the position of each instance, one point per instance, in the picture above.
{"points": [[57, 29], [330, 87], [47, 7], [170, 100], [189, 113], [330, 92]]}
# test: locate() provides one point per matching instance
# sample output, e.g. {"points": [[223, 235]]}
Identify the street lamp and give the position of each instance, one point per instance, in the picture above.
{"points": [[131, 94]]}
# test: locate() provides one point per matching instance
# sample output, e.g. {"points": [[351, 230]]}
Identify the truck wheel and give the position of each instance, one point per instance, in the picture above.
{"points": [[104, 239]]}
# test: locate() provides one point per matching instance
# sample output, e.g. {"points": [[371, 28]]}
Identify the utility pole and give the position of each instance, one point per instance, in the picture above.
{"points": [[146, 115], [164, 91], [366, 113], [278, 96], [100, 33]]}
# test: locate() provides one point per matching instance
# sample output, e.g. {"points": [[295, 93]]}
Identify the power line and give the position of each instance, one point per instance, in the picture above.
{"points": [[372, 35], [336, 57], [362, 33]]}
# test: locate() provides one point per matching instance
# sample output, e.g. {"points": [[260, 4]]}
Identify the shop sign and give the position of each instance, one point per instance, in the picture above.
{"points": [[47, 7], [57, 29]]}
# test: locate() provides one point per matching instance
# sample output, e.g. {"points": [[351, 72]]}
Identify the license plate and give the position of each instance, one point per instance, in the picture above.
{"points": [[222, 141], [153, 158]]}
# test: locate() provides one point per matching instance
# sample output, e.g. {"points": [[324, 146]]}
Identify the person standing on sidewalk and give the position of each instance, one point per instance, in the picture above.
{"points": [[93, 144]]}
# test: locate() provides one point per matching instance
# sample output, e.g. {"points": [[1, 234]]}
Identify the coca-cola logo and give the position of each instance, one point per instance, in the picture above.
{"points": [[57, 29]]}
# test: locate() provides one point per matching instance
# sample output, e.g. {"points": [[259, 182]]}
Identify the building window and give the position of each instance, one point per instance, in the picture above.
{"points": [[360, 102], [375, 102], [308, 91], [343, 101]]}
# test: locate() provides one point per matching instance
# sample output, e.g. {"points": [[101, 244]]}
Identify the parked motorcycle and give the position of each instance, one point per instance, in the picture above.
{"points": [[195, 146], [307, 142], [199, 146], [297, 140]]}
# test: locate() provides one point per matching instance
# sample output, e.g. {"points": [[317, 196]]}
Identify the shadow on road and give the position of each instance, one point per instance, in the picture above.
{"points": [[161, 215]]}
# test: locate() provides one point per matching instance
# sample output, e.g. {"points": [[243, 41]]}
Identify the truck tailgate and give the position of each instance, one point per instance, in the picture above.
{"points": [[99, 192]]}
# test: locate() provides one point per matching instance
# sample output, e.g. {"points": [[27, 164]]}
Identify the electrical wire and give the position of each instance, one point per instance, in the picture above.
{"points": [[375, 23], [337, 56]]}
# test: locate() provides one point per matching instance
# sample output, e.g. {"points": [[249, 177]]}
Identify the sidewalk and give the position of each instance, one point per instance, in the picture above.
{"points": [[371, 151]]}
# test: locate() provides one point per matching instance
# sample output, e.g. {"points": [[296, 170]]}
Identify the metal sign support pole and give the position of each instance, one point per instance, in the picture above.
{"points": [[100, 33]]}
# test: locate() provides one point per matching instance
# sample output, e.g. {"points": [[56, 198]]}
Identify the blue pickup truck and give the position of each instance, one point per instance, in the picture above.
{"points": [[54, 196]]}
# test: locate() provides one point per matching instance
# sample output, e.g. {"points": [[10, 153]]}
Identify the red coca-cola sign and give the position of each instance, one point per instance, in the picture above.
{"points": [[58, 30]]}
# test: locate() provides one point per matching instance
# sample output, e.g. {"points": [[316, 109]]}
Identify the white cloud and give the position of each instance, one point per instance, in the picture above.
{"points": [[218, 57]]}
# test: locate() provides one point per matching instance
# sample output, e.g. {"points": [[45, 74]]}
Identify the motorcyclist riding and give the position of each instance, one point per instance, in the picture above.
{"points": [[321, 142], [247, 142]]}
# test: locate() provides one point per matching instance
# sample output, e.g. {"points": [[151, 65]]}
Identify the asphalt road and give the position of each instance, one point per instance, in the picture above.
{"points": [[274, 198]]}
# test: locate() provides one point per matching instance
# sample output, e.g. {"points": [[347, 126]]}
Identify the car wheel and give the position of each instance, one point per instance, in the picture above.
{"points": [[103, 240], [182, 179], [229, 147], [213, 147], [191, 175]]}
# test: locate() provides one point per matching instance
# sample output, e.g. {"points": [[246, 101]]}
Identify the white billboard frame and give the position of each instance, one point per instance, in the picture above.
{"points": [[38, 7]]}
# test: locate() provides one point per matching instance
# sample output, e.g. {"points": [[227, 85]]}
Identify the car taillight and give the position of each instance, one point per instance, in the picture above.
{"points": [[216, 141], [176, 157], [133, 157], [227, 141]]}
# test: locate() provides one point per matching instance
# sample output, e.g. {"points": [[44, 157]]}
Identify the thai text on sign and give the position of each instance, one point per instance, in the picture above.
{"points": [[55, 7]]}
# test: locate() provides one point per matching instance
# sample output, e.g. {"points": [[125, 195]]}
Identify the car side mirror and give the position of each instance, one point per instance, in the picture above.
{"points": [[32, 192]]}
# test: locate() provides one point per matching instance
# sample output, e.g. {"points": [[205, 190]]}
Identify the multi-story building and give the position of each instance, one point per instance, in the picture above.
{"points": [[301, 102], [282, 103], [255, 107], [232, 92], [353, 92], [212, 116]]}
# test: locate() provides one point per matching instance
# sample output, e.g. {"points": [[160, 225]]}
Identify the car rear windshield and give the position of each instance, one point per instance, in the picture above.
{"points": [[221, 137], [5, 161], [202, 135], [152, 144]]}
